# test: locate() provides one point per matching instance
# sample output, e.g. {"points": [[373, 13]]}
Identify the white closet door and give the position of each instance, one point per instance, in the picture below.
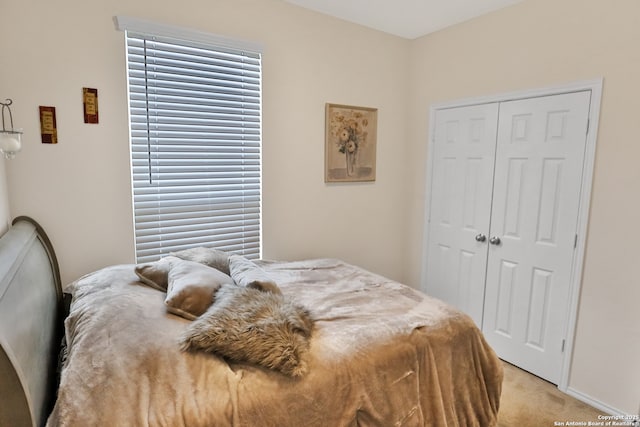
{"points": [[461, 185], [538, 172]]}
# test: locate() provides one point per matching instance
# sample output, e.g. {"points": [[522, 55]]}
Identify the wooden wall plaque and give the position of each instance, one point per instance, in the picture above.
{"points": [[48, 126], [90, 104]]}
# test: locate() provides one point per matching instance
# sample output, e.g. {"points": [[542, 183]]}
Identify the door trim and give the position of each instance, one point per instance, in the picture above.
{"points": [[595, 86]]}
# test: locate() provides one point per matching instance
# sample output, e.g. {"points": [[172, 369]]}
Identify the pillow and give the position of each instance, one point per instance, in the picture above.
{"points": [[191, 288], [155, 274], [247, 325], [207, 256], [247, 274]]}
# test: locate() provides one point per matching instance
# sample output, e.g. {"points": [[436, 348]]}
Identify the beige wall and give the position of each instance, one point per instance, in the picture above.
{"points": [[546, 43], [79, 190]]}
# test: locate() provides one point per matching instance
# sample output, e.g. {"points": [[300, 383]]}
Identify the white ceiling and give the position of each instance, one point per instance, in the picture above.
{"points": [[405, 18]]}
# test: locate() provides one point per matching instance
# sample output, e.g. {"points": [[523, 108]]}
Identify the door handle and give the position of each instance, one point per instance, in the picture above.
{"points": [[481, 237], [495, 240]]}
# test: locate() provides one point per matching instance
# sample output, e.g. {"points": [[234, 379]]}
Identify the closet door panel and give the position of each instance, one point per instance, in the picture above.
{"points": [[461, 186], [538, 174]]}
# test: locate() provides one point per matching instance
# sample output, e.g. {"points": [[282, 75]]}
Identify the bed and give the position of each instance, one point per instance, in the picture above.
{"points": [[315, 342], [30, 324]]}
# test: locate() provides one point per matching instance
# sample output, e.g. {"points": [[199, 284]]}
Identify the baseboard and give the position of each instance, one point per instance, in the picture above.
{"points": [[591, 401]]}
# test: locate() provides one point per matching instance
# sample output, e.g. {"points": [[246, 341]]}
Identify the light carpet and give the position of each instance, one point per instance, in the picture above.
{"points": [[528, 401]]}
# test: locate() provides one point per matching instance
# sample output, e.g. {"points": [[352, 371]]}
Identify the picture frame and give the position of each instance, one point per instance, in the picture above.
{"points": [[350, 143]]}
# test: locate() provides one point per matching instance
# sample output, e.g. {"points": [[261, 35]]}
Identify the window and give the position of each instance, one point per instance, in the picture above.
{"points": [[195, 126]]}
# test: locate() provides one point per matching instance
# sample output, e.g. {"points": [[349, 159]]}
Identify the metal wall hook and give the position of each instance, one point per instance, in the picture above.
{"points": [[5, 105]]}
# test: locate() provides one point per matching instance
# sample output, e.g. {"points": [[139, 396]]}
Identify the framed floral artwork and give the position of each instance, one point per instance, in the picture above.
{"points": [[350, 143]]}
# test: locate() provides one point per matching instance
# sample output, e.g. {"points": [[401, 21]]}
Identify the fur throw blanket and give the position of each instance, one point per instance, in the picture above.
{"points": [[247, 319], [247, 325]]}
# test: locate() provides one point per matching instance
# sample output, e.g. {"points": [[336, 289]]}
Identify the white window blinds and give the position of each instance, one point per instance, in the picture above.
{"points": [[195, 146]]}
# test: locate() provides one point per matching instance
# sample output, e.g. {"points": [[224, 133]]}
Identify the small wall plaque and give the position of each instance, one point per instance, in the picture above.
{"points": [[48, 127], [90, 103]]}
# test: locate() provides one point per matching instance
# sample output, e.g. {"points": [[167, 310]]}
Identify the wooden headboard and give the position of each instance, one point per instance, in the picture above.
{"points": [[30, 324]]}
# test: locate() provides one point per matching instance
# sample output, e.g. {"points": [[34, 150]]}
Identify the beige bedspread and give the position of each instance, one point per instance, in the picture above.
{"points": [[382, 354]]}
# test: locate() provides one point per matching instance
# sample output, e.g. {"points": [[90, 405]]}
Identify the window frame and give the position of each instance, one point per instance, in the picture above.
{"points": [[137, 28]]}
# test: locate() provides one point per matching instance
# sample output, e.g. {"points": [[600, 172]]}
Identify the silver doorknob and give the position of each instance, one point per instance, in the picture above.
{"points": [[481, 237], [494, 240]]}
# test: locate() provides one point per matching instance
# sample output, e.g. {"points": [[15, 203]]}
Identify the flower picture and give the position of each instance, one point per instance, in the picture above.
{"points": [[350, 146]]}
